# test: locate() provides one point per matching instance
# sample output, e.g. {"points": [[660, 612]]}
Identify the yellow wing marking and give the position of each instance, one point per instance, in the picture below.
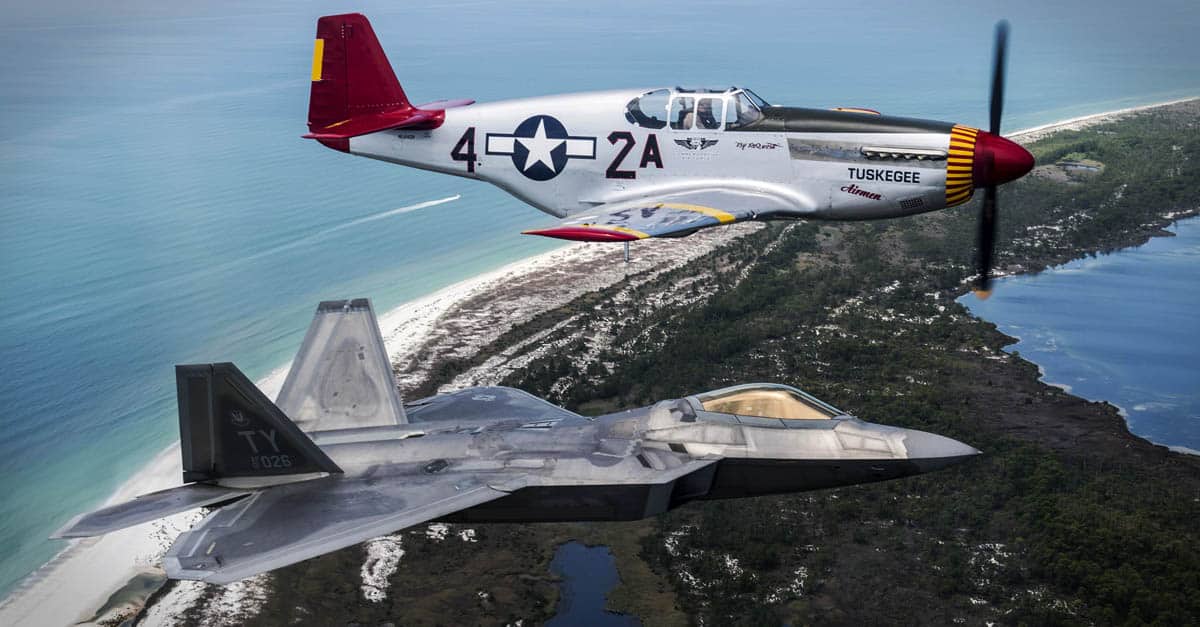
{"points": [[723, 217], [620, 229]]}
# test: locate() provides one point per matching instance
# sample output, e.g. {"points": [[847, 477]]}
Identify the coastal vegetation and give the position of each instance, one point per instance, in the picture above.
{"points": [[1066, 519]]}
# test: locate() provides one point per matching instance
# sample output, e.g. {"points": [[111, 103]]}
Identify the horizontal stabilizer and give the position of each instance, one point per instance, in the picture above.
{"points": [[146, 508], [442, 105], [374, 122]]}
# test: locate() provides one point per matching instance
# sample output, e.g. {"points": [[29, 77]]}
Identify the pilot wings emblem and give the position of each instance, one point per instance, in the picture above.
{"points": [[696, 143]]}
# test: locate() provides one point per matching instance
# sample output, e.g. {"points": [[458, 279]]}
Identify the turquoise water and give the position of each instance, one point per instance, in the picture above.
{"points": [[1120, 328], [160, 207]]}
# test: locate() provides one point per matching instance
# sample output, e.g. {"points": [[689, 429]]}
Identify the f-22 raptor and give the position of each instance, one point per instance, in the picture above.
{"points": [[339, 459]]}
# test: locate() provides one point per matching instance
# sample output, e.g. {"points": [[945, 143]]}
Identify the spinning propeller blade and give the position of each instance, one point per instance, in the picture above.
{"points": [[987, 215]]}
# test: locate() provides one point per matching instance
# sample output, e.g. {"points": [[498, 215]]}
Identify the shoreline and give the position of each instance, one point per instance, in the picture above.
{"points": [[91, 570], [83, 576], [1034, 133], [91, 581], [1173, 219]]}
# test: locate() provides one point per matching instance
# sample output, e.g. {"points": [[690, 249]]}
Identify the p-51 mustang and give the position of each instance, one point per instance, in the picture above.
{"points": [[338, 459], [630, 164]]}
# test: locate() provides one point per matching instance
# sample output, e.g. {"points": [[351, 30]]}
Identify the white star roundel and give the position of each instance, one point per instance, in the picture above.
{"points": [[540, 147]]}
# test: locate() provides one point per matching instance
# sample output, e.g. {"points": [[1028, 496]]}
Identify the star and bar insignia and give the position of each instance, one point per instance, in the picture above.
{"points": [[540, 147]]}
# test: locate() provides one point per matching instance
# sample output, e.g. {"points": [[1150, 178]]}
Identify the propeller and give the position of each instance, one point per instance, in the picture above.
{"points": [[987, 215]]}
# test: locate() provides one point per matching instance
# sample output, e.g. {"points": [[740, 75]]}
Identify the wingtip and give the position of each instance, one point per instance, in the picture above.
{"points": [[64, 532], [584, 233]]}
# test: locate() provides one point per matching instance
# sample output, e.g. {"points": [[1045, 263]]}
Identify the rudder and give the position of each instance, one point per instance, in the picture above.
{"points": [[229, 428]]}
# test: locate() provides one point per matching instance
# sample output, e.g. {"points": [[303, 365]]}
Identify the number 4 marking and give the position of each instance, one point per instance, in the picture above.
{"points": [[467, 141]]}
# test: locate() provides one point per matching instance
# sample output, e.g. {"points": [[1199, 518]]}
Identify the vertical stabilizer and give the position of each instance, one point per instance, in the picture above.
{"points": [[351, 75], [341, 377], [229, 428], [354, 90]]}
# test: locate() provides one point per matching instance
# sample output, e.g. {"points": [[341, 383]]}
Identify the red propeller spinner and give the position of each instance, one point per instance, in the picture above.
{"points": [[999, 160]]}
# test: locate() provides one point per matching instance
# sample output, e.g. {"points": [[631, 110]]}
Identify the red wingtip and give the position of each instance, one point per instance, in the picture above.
{"points": [[584, 234]]}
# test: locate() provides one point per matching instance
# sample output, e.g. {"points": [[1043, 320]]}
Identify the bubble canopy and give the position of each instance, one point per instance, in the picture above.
{"points": [[695, 108], [767, 400]]}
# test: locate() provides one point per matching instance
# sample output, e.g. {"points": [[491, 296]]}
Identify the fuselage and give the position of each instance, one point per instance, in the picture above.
{"points": [[632, 464], [570, 153]]}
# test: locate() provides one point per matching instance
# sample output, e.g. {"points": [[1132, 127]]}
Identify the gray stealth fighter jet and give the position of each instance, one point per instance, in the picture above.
{"points": [[338, 459]]}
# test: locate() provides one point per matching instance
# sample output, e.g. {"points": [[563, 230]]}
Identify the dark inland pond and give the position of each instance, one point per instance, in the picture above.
{"points": [[588, 574]]}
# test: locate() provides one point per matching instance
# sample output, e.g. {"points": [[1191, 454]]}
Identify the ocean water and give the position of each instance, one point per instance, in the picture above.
{"points": [[1120, 328], [159, 206]]}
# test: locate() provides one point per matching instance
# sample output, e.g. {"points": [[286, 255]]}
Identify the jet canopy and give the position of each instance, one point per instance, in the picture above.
{"points": [[695, 109], [779, 404]]}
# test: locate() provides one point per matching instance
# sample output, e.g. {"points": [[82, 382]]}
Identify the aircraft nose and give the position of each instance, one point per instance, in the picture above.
{"points": [[998, 160], [932, 452]]}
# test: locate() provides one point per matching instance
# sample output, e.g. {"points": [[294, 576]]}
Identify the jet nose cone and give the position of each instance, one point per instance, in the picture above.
{"points": [[999, 160], [932, 452]]}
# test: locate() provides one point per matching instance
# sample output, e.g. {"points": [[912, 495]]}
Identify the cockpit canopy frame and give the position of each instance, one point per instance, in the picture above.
{"points": [[764, 404], [691, 109]]}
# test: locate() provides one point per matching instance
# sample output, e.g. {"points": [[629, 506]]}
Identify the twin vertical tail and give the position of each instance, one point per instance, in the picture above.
{"points": [[354, 90], [227, 430], [234, 440]]}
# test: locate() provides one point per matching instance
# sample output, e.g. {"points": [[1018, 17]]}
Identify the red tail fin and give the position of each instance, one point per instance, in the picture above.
{"points": [[351, 74], [354, 91]]}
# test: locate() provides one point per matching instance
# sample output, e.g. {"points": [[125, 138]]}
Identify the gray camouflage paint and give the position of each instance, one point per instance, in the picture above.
{"points": [[363, 466]]}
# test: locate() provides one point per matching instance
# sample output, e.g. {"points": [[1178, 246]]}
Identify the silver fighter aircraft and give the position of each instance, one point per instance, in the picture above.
{"points": [[338, 459], [626, 165]]}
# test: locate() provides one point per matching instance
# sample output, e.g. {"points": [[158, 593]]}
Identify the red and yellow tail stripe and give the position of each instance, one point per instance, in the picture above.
{"points": [[959, 164]]}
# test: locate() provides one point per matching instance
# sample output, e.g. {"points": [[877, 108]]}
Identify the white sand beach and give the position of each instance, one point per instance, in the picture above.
{"points": [[1035, 133], [75, 584], [81, 579]]}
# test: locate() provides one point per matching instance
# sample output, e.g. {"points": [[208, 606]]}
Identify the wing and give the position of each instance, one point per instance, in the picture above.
{"points": [[146, 508], [341, 377], [499, 403], [674, 215], [292, 523]]}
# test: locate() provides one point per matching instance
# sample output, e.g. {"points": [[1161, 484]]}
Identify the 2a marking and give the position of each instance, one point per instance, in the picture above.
{"points": [[651, 154]]}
